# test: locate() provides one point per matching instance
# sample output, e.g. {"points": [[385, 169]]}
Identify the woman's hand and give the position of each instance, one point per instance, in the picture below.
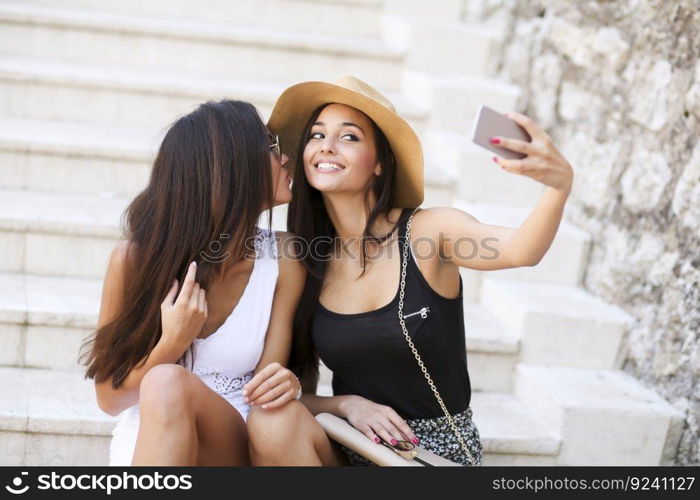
{"points": [[543, 162], [271, 387], [375, 421], [183, 318]]}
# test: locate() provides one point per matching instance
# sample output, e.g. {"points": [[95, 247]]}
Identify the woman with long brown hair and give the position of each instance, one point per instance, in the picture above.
{"points": [[382, 306], [198, 301]]}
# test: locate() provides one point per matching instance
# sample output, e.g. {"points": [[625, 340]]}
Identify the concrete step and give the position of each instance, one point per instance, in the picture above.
{"points": [[455, 101], [557, 325], [107, 93], [356, 17], [510, 434], [180, 44], [443, 48], [477, 179], [439, 185], [561, 416], [42, 329], [44, 319], [603, 417], [564, 262], [75, 158], [492, 350], [49, 417], [56, 234], [420, 11], [104, 160], [450, 49]]}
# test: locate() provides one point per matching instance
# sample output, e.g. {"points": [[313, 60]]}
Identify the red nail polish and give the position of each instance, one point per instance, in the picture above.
{"points": [[495, 159], [495, 140], [394, 442], [376, 440], [416, 440]]}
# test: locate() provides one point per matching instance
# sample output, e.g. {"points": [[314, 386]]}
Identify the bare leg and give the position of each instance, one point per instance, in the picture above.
{"points": [[289, 435], [184, 422]]}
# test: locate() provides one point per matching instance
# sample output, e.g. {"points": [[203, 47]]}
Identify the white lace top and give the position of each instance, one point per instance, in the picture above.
{"points": [[226, 359]]}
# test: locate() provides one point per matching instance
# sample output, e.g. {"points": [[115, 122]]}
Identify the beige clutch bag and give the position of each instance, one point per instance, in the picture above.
{"points": [[341, 431]]}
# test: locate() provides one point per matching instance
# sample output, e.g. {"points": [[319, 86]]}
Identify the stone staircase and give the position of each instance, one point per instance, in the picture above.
{"points": [[87, 92]]}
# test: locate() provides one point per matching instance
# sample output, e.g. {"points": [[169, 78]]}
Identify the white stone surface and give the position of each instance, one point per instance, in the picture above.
{"points": [[47, 330], [588, 47], [44, 320], [471, 284], [66, 450], [11, 345], [478, 178], [71, 139], [68, 255], [602, 417], [135, 96], [65, 235], [356, 17], [507, 426], [645, 180], [52, 402], [692, 98], [189, 45], [546, 75], [593, 163], [578, 104], [686, 199], [653, 92], [39, 212], [492, 350], [429, 43], [59, 414], [564, 261], [11, 250], [422, 11], [455, 101], [557, 325]]}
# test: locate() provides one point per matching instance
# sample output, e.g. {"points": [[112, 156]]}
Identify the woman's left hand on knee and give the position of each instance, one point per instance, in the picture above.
{"points": [[272, 387]]}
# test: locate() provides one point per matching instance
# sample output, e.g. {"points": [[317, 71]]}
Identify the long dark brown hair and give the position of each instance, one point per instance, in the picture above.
{"points": [[210, 182], [308, 220]]}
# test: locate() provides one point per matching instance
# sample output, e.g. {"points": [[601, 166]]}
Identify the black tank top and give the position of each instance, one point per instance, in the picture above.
{"points": [[369, 355]]}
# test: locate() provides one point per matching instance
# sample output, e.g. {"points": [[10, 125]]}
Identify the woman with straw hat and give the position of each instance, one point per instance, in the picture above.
{"points": [[382, 305]]}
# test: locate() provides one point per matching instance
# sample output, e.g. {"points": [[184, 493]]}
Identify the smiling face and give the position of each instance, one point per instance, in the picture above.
{"points": [[281, 180], [341, 154]]}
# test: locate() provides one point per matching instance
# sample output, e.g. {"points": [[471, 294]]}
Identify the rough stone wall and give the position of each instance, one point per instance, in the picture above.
{"points": [[617, 86]]}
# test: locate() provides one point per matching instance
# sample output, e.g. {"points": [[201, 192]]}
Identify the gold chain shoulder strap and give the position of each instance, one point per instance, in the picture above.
{"points": [[456, 432]]}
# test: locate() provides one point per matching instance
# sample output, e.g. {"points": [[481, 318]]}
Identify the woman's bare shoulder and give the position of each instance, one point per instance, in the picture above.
{"points": [[289, 257]]}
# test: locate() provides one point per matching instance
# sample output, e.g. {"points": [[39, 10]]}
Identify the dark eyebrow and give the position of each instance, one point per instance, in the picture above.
{"points": [[346, 124], [350, 124]]}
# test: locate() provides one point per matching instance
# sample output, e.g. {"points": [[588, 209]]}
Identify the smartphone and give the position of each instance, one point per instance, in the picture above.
{"points": [[490, 123]]}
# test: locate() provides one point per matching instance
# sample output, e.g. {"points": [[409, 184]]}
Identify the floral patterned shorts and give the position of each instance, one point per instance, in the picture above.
{"points": [[436, 435]]}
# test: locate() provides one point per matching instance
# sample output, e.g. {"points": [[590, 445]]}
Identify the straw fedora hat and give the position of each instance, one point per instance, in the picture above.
{"points": [[296, 104]]}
